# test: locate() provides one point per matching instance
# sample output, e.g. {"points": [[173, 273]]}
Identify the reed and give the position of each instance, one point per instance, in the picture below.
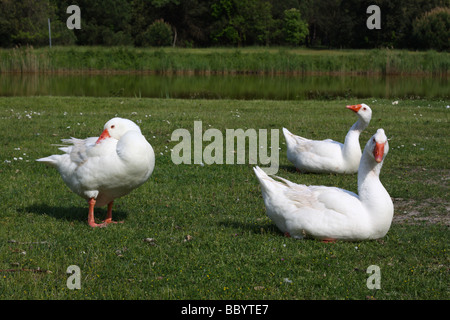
{"points": [[222, 60]]}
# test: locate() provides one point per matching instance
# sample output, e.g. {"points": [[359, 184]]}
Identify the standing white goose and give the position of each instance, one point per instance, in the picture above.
{"points": [[330, 213], [101, 169], [329, 156]]}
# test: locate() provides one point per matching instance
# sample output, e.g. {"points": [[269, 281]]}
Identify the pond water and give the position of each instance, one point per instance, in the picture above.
{"points": [[280, 87]]}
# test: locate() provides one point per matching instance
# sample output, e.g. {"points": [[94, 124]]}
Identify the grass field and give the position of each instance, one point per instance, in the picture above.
{"points": [[261, 60], [212, 239]]}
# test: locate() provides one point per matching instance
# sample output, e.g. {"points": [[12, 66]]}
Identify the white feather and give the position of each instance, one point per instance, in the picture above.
{"points": [[328, 212], [328, 156], [109, 169]]}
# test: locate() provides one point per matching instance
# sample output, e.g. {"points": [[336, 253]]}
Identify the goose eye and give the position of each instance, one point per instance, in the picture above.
{"points": [[364, 108], [113, 126]]}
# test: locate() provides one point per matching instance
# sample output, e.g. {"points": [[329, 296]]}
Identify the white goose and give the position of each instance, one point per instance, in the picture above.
{"points": [[101, 169], [328, 156], [330, 213]]}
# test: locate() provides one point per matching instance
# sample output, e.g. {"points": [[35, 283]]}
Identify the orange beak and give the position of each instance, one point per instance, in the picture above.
{"points": [[355, 107], [103, 136], [378, 152]]}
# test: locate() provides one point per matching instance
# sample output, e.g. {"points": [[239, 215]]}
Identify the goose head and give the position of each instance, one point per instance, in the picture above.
{"points": [[116, 128], [377, 146], [363, 111]]}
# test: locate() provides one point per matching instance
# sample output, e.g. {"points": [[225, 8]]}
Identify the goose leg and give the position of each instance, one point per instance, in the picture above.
{"points": [[109, 214], [91, 219]]}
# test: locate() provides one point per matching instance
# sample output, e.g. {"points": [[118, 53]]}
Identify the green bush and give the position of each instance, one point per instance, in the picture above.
{"points": [[432, 29], [295, 29], [61, 35], [158, 34]]}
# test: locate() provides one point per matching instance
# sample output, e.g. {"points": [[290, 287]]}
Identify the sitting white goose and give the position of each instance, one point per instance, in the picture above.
{"points": [[330, 213], [101, 169], [329, 156]]}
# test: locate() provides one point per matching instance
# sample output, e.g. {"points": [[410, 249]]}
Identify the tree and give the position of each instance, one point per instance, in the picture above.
{"points": [[295, 29], [158, 34], [330, 23], [224, 31], [24, 22], [432, 29], [105, 22], [242, 22]]}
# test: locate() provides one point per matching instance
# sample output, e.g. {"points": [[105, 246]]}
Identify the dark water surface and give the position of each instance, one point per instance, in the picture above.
{"points": [[280, 87]]}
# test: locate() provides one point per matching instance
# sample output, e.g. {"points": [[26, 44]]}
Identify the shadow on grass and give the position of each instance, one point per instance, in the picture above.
{"points": [[71, 213], [251, 227], [292, 169], [288, 168]]}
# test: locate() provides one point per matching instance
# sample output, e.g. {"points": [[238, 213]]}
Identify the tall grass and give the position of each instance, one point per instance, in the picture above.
{"points": [[222, 60]]}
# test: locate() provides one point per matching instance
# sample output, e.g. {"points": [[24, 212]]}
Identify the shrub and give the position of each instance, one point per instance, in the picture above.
{"points": [[61, 35], [295, 29], [432, 29], [158, 34]]}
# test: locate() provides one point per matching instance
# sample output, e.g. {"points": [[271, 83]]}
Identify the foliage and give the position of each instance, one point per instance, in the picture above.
{"points": [[24, 22], [295, 29], [203, 23], [242, 22], [158, 34], [432, 30]]}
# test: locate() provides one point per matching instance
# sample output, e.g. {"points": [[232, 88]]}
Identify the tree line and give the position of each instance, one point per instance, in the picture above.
{"points": [[410, 24]]}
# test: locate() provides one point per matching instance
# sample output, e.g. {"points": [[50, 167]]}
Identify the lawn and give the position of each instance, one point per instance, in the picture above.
{"points": [[210, 237]]}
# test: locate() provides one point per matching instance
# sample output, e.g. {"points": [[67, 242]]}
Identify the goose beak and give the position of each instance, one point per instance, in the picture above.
{"points": [[354, 108], [378, 152], [103, 136]]}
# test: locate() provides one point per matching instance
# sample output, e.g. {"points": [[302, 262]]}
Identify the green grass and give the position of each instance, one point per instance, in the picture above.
{"points": [[222, 60], [234, 251]]}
